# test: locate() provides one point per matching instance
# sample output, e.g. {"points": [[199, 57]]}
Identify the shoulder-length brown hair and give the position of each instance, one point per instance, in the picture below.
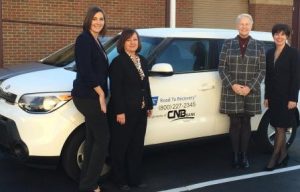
{"points": [[91, 12], [126, 34]]}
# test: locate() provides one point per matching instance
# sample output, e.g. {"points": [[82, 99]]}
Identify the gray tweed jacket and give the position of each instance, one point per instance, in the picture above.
{"points": [[248, 70]]}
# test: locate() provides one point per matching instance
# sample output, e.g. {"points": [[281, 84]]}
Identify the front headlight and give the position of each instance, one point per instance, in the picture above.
{"points": [[43, 102]]}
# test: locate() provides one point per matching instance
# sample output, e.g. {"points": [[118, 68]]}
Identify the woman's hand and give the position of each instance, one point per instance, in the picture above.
{"points": [[121, 118], [292, 104], [102, 103], [101, 95], [237, 88], [241, 89], [245, 90], [149, 113], [266, 103]]}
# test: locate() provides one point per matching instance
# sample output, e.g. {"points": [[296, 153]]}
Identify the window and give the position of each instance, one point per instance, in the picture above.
{"points": [[268, 46], [185, 55], [148, 45]]}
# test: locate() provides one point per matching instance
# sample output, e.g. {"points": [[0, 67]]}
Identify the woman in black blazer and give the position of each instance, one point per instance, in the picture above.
{"points": [[89, 92], [281, 91], [129, 106]]}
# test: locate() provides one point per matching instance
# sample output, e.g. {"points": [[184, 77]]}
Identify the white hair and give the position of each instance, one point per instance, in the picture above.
{"points": [[244, 15]]}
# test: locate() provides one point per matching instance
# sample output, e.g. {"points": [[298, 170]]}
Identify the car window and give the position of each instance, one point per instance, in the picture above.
{"points": [[148, 45], [268, 46], [216, 47], [185, 55]]}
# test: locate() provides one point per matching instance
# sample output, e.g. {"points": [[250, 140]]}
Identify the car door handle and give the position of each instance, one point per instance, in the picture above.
{"points": [[206, 88]]}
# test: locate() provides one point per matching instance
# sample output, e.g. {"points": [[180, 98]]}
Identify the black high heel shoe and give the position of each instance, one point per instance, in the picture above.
{"points": [[270, 168], [235, 161], [284, 162], [244, 162]]}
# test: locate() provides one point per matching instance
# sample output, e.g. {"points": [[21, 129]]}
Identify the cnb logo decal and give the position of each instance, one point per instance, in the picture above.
{"points": [[180, 114]]}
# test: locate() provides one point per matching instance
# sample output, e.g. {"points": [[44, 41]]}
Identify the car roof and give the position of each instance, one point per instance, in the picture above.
{"points": [[200, 33]]}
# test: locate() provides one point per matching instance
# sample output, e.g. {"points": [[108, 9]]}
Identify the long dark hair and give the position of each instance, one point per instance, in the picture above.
{"points": [[91, 12], [126, 34]]}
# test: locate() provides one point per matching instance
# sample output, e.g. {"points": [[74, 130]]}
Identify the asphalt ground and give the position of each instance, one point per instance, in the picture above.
{"points": [[194, 166]]}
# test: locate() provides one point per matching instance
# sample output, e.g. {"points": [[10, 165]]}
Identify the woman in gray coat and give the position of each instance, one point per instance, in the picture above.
{"points": [[242, 69]]}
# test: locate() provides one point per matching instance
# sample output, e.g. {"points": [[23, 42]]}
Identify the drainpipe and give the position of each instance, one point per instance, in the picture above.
{"points": [[296, 26], [172, 13], [1, 37]]}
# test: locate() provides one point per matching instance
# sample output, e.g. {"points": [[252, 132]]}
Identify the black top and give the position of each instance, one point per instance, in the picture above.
{"points": [[92, 67], [282, 77], [243, 42], [127, 88]]}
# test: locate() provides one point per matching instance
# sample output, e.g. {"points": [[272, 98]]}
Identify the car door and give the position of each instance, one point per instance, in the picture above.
{"points": [[185, 103]]}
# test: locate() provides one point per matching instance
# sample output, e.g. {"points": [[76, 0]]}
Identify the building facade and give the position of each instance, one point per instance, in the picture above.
{"points": [[31, 29]]}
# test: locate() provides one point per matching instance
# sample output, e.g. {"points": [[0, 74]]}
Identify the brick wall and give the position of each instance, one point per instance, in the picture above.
{"points": [[184, 13], [265, 16], [34, 28]]}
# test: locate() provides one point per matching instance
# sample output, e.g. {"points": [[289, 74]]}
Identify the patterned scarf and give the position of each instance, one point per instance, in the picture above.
{"points": [[138, 66]]}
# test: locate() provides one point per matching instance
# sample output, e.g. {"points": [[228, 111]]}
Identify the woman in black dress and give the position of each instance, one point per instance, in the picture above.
{"points": [[281, 91]]}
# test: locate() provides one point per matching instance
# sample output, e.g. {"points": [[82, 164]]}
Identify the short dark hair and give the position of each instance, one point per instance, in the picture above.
{"points": [[277, 28], [126, 34], [91, 12]]}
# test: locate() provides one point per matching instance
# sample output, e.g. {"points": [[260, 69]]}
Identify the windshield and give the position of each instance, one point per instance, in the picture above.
{"points": [[61, 57], [65, 56]]}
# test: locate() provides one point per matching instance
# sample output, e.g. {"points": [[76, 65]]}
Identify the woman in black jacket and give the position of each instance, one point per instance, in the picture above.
{"points": [[89, 92], [281, 91], [129, 106]]}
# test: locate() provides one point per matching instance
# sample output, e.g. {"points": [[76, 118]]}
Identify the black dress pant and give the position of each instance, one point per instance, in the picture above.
{"points": [[127, 143], [240, 132], [96, 142]]}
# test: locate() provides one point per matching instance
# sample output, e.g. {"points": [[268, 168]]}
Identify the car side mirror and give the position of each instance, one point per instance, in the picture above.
{"points": [[161, 69]]}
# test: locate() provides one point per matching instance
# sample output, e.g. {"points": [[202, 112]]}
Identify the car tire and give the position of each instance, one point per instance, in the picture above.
{"points": [[266, 133], [72, 156]]}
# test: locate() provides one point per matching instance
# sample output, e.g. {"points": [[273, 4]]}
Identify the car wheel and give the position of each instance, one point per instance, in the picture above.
{"points": [[266, 133], [73, 156]]}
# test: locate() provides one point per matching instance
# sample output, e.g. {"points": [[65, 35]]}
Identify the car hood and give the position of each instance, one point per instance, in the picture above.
{"points": [[14, 70], [46, 80]]}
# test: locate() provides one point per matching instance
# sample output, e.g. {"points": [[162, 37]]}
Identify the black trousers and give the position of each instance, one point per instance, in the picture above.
{"points": [[127, 143], [96, 142], [240, 132]]}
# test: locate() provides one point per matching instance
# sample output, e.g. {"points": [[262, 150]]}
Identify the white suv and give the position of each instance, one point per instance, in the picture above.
{"points": [[38, 117]]}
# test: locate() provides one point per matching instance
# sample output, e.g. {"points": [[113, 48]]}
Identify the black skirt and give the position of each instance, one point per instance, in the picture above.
{"points": [[280, 115]]}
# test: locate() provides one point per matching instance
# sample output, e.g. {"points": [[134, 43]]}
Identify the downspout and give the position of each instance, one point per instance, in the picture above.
{"points": [[172, 13], [1, 37], [295, 25]]}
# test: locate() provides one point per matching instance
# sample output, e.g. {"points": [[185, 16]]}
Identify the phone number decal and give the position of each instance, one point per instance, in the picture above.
{"points": [[176, 106]]}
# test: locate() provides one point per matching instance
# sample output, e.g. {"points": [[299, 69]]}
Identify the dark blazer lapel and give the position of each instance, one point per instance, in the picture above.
{"points": [[132, 66], [281, 55], [249, 47], [272, 55], [99, 46], [236, 46]]}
